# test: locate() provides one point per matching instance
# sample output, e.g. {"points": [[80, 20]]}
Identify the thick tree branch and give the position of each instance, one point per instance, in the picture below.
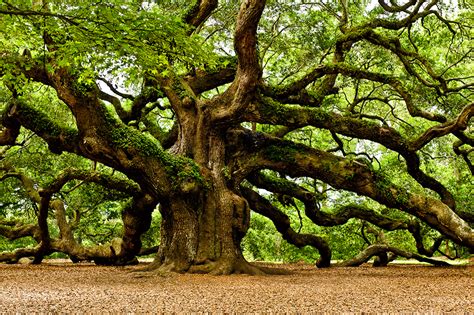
{"points": [[269, 111], [123, 115], [16, 255], [377, 249], [282, 224], [341, 214], [337, 217], [248, 74], [341, 173], [15, 229], [199, 12], [203, 81], [100, 136], [58, 138]]}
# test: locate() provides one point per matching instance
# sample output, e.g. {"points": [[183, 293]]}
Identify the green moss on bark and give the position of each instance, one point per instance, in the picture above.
{"points": [[39, 122], [134, 142]]}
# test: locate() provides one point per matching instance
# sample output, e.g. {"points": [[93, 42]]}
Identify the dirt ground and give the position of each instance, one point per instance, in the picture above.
{"points": [[86, 288]]}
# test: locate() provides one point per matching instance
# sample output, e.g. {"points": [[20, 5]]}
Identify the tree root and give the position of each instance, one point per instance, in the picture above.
{"points": [[216, 268]]}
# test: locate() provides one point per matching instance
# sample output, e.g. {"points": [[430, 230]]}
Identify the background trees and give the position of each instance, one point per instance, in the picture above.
{"points": [[328, 118]]}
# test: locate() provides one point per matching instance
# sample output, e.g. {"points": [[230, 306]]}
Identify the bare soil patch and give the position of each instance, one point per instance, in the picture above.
{"points": [[86, 288]]}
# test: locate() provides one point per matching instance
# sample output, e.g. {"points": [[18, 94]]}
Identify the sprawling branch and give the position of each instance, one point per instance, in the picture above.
{"points": [[111, 182], [377, 249], [458, 124], [341, 214], [58, 138], [338, 217], [296, 88], [14, 230], [16, 255], [396, 24], [27, 183], [269, 111], [282, 224], [341, 173], [100, 136], [136, 219]]}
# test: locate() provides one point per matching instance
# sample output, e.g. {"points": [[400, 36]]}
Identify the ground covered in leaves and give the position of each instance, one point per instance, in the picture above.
{"points": [[86, 288]]}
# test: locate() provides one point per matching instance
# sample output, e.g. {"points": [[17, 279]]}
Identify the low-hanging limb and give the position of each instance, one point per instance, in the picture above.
{"points": [[343, 213], [297, 160], [14, 256], [136, 219], [12, 230], [136, 216], [377, 249], [120, 251], [319, 217], [282, 224], [270, 111]]}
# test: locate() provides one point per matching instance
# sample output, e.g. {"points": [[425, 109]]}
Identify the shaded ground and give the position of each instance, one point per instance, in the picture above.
{"points": [[88, 288]]}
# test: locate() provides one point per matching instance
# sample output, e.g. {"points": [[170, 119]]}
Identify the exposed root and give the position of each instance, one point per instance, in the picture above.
{"points": [[220, 267], [237, 266], [157, 269]]}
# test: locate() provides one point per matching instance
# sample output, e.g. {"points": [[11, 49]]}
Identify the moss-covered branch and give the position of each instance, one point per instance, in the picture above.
{"points": [[203, 80], [58, 137], [270, 111], [16, 229], [300, 161], [343, 213]]}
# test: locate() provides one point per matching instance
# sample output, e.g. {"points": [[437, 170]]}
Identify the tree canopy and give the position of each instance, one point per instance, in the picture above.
{"points": [[311, 114]]}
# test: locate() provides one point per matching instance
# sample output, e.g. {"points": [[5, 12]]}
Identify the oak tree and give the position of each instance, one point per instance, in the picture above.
{"points": [[212, 109]]}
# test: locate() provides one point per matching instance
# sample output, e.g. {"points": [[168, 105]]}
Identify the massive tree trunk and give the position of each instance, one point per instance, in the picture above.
{"points": [[202, 233], [202, 228]]}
